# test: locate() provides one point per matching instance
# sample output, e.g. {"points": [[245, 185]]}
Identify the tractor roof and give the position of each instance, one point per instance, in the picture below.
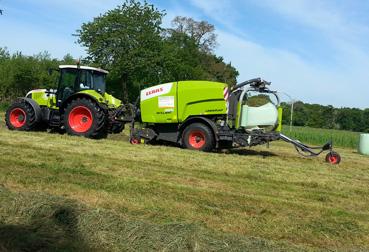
{"points": [[83, 67]]}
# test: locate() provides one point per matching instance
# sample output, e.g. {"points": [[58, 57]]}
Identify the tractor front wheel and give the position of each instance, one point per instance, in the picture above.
{"points": [[198, 136], [84, 117], [21, 116]]}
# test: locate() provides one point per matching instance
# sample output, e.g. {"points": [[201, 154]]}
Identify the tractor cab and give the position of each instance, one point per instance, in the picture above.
{"points": [[75, 78]]}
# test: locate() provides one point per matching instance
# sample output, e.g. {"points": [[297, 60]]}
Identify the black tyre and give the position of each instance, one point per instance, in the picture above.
{"points": [[21, 116], [198, 136], [333, 158], [84, 117], [117, 128]]}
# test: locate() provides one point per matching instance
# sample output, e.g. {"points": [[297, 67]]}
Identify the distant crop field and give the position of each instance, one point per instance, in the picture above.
{"points": [[315, 136]]}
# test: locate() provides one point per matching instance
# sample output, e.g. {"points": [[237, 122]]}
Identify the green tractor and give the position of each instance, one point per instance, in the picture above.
{"points": [[80, 105]]}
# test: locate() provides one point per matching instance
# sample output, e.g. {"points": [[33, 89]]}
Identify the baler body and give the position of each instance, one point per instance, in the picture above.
{"points": [[177, 101]]}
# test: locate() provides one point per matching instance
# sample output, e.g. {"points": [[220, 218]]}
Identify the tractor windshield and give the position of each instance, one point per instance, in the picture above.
{"points": [[90, 79]]}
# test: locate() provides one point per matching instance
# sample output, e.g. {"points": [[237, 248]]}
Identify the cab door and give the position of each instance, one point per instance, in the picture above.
{"points": [[68, 84]]}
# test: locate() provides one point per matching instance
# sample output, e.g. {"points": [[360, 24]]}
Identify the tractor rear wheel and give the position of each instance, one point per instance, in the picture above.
{"points": [[198, 136], [21, 116], [84, 117]]}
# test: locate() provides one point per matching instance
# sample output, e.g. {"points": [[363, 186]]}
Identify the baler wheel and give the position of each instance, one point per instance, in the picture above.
{"points": [[21, 116], [84, 117], [197, 139], [198, 136], [333, 158], [135, 141]]}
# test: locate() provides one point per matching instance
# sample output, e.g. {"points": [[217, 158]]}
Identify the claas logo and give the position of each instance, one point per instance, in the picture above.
{"points": [[154, 91]]}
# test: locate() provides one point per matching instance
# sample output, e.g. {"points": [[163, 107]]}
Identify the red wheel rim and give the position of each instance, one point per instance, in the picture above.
{"points": [[333, 159], [135, 141], [17, 117], [80, 119], [196, 139]]}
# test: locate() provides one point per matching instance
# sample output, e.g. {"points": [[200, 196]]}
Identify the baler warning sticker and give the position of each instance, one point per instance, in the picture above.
{"points": [[166, 101]]}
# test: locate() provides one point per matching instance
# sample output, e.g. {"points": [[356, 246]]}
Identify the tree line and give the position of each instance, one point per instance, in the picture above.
{"points": [[20, 73], [327, 117]]}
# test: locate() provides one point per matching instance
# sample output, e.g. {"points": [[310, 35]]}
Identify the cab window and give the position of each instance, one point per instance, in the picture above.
{"points": [[68, 78], [85, 81], [99, 82]]}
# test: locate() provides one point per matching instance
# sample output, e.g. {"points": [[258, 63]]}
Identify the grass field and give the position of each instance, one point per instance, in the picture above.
{"points": [[321, 136], [67, 193]]}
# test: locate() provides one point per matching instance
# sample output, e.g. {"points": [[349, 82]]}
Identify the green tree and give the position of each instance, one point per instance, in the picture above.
{"points": [[69, 60], [181, 58], [349, 119], [127, 41], [202, 33], [365, 120], [300, 114], [193, 42], [4, 54], [217, 70], [20, 74]]}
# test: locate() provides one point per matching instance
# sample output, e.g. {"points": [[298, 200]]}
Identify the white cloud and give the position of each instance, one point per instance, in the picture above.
{"points": [[175, 11], [43, 25], [30, 40], [341, 82], [291, 74], [223, 12], [321, 15], [88, 8]]}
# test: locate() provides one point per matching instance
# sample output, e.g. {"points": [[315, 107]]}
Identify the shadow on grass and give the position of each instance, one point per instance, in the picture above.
{"points": [[239, 151], [248, 152], [57, 232]]}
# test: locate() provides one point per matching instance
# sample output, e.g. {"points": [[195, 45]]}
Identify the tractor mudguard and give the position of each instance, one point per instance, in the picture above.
{"points": [[204, 120], [80, 95], [35, 106]]}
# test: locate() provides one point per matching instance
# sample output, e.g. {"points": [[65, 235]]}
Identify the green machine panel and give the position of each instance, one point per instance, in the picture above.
{"points": [[175, 102], [159, 104], [41, 97], [201, 98]]}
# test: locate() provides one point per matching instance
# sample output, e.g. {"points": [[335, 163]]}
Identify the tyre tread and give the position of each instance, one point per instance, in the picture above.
{"points": [[210, 141], [31, 122], [99, 126]]}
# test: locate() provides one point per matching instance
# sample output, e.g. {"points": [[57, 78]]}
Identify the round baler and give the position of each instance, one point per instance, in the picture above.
{"points": [[205, 115]]}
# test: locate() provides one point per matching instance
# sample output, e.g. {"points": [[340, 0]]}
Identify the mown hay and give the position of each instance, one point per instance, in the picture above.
{"points": [[41, 222]]}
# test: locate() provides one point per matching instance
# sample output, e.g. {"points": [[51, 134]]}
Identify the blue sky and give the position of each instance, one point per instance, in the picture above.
{"points": [[317, 51]]}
